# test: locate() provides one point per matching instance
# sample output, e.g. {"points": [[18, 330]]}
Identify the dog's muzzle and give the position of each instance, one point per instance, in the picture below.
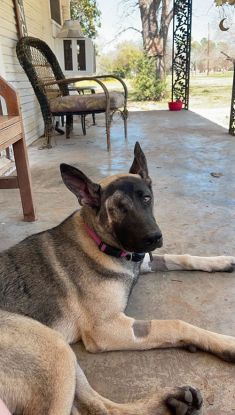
{"points": [[153, 241]]}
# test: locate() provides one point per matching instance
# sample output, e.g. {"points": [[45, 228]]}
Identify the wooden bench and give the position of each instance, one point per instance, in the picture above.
{"points": [[12, 133]]}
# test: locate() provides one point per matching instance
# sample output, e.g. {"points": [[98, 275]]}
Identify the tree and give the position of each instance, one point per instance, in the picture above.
{"points": [[221, 2], [147, 86], [88, 13], [156, 16], [201, 60], [123, 61]]}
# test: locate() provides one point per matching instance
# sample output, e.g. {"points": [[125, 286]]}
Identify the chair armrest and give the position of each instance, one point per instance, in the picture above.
{"points": [[73, 80], [92, 78], [118, 79]]}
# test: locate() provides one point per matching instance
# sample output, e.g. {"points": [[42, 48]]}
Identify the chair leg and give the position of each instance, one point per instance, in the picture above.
{"points": [[46, 144], [71, 122], [108, 127], [61, 132], [93, 114], [24, 180], [83, 122], [125, 128], [68, 130], [124, 114], [69, 125], [48, 131]]}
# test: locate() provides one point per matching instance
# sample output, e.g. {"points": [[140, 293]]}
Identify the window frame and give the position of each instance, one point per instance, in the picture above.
{"points": [[60, 14]]}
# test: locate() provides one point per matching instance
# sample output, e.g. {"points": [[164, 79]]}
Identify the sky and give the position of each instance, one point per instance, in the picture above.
{"points": [[117, 16]]}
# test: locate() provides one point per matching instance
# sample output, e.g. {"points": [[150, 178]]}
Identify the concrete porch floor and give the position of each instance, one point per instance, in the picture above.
{"points": [[196, 213]]}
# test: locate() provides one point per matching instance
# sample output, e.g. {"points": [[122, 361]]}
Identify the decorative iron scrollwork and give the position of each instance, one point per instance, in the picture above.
{"points": [[232, 113], [182, 23]]}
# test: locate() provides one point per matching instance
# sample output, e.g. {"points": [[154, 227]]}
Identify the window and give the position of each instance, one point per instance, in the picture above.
{"points": [[81, 55], [68, 55], [55, 11]]}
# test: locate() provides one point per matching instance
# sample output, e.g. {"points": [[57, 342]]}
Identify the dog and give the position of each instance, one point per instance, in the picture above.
{"points": [[72, 283]]}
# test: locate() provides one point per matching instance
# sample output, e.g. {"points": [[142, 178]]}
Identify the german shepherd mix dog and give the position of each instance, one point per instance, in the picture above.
{"points": [[72, 283]]}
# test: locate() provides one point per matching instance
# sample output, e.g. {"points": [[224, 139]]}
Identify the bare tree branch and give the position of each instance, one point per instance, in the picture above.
{"points": [[129, 8], [128, 28], [228, 57], [123, 31]]}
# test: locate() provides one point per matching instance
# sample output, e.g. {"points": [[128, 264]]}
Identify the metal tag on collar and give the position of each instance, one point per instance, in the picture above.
{"points": [[135, 256]]}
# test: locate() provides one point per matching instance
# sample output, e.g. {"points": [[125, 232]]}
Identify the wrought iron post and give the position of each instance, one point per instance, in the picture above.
{"points": [[232, 113], [182, 24]]}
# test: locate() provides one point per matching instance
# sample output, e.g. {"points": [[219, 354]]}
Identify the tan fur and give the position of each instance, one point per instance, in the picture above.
{"points": [[107, 180], [46, 366], [41, 376], [208, 264], [188, 262]]}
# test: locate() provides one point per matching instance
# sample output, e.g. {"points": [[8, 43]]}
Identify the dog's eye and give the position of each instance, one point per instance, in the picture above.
{"points": [[147, 199]]}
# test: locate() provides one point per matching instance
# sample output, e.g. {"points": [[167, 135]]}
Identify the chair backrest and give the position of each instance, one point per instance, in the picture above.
{"points": [[41, 65]]}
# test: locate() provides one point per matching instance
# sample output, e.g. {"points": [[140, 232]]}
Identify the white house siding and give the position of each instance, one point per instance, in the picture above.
{"points": [[39, 24]]}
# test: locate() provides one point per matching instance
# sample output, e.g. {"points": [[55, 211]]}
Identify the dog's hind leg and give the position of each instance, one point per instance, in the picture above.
{"points": [[56, 397], [37, 368], [46, 380], [39, 375], [189, 263], [168, 401]]}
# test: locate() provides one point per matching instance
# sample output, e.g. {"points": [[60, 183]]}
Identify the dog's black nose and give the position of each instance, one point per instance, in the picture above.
{"points": [[155, 239]]}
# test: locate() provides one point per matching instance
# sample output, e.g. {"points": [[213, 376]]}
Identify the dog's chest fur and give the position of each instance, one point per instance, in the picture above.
{"points": [[60, 278]]}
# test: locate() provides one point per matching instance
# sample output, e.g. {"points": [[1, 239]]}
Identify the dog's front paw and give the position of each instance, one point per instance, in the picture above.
{"points": [[187, 401], [225, 263]]}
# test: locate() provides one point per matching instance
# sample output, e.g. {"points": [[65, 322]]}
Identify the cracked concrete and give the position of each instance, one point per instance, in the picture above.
{"points": [[196, 213]]}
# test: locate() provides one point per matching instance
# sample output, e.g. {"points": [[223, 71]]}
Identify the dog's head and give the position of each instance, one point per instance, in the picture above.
{"points": [[122, 204]]}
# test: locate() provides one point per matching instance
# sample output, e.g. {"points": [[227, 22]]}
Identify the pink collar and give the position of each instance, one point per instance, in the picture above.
{"points": [[108, 249], [111, 250]]}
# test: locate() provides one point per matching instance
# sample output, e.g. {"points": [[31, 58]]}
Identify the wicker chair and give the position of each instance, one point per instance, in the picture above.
{"points": [[52, 90]]}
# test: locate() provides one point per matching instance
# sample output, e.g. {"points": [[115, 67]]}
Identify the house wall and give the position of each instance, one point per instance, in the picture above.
{"points": [[39, 24]]}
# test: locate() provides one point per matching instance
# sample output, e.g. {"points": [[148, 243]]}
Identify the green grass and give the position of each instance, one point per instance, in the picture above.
{"points": [[228, 74], [211, 91]]}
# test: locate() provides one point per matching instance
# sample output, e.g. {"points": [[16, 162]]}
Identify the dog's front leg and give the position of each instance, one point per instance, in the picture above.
{"points": [[189, 263], [126, 333]]}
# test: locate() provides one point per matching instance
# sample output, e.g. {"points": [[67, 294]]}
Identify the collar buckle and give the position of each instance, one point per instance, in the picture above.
{"points": [[137, 256]]}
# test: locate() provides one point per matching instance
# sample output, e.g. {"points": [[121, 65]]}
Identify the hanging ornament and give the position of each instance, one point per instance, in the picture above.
{"points": [[221, 25]]}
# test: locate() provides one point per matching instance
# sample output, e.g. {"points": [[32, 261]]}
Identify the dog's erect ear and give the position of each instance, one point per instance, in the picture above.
{"points": [[87, 192], [139, 165]]}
